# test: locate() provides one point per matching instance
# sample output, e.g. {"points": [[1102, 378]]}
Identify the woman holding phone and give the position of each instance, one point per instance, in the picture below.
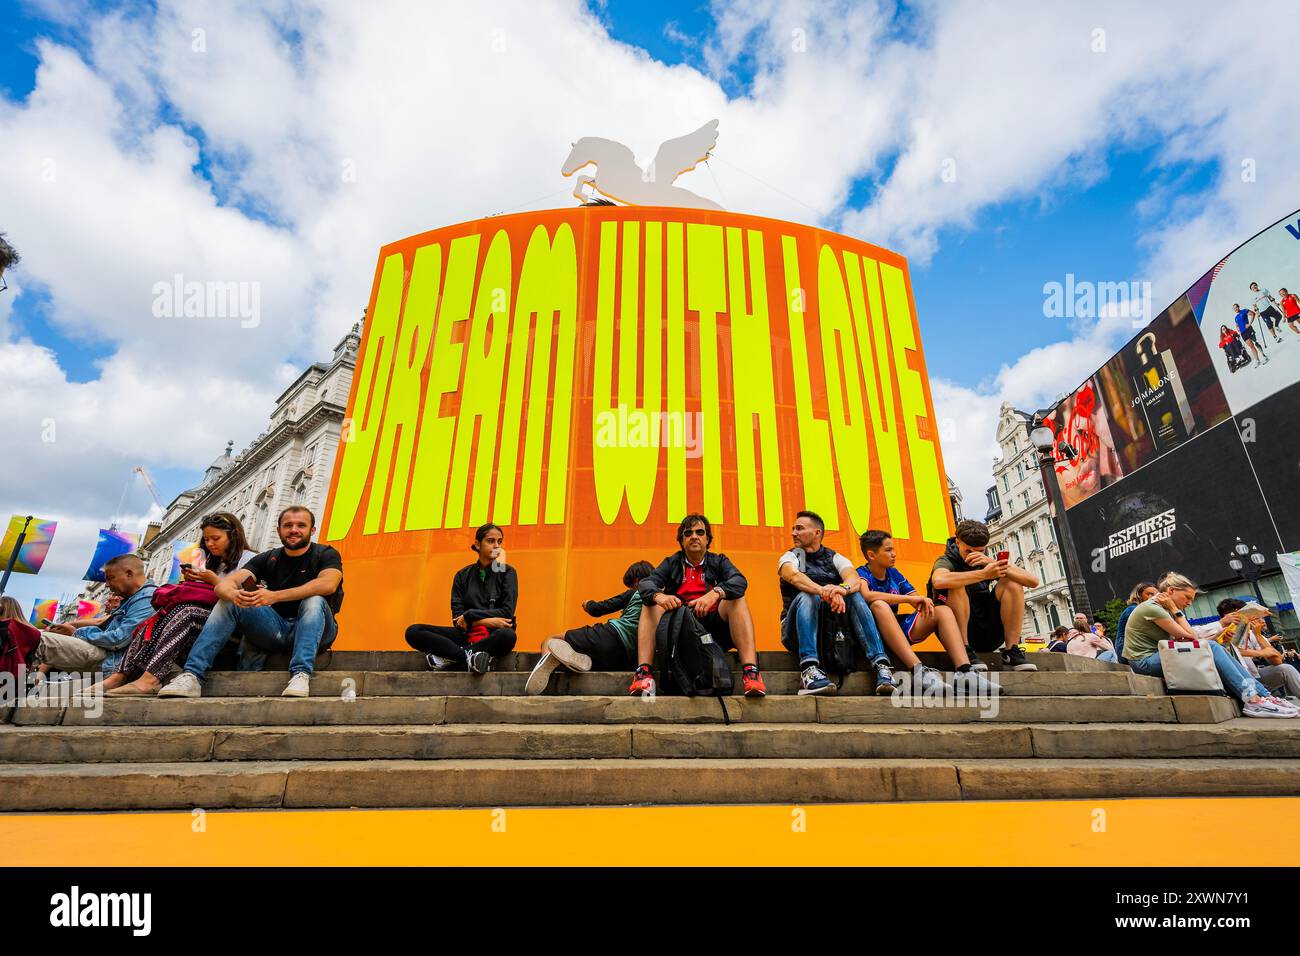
{"points": [[153, 650], [483, 599]]}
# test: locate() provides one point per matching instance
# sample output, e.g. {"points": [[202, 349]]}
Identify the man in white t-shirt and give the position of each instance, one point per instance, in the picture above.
{"points": [[1266, 308]]}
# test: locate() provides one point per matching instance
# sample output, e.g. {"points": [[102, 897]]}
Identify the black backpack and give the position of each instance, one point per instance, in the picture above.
{"points": [[690, 661], [835, 643]]}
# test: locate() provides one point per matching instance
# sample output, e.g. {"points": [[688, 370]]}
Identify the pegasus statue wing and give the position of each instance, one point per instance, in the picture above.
{"points": [[680, 155]]}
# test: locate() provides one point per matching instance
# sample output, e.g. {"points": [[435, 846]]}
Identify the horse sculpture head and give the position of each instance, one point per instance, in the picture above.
{"points": [[580, 155]]}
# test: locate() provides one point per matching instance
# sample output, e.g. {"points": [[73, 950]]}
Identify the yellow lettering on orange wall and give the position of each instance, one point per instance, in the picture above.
{"points": [[371, 390], [641, 456], [675, 425], [869, 318], [751, 363], [626, 441], [404, 391], [485, 365], [707, 295], [931, 491], [548, 283], [844, 392], [814, 434], [437, 431], [604, 417], [548, 286]]}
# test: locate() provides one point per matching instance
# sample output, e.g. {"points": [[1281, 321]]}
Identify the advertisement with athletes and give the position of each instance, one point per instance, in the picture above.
{"points": [[1249, 312]]}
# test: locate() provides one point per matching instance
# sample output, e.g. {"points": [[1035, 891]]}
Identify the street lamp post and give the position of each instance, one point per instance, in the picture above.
{"points": [[1044, 442], [1246, 560]]}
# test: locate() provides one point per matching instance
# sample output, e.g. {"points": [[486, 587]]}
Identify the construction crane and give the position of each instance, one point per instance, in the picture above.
{"points": [[148, 483]]}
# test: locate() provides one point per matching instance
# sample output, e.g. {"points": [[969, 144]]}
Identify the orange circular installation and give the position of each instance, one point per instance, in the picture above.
{"points": [[585, 377]]}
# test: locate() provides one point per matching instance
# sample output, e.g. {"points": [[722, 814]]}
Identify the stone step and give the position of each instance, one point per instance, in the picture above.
{"points": [[563, 683], [277, 711], [1241, 738], [606, 782], [767, 660]]}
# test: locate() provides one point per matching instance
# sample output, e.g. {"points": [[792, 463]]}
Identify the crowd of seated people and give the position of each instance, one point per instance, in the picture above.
{"points": [[286, 599]]}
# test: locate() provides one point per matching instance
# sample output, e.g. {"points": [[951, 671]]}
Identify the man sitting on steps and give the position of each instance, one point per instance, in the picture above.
{"points": [[986, 596], [715, 591], [284, 599], [812, 575]]}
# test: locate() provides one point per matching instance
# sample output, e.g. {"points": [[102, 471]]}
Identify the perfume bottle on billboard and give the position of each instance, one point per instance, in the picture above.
{"points": [[1159, 394]]}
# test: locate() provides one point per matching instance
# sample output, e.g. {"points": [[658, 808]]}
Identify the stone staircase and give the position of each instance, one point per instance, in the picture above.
{"points": [[412, 738]]}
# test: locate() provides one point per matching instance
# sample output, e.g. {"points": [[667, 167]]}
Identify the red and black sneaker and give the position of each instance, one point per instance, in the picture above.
{"points": [[643, 682], [753, 681]]}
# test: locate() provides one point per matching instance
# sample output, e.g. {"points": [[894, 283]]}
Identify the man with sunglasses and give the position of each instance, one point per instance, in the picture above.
{"points": [[713, 588]]}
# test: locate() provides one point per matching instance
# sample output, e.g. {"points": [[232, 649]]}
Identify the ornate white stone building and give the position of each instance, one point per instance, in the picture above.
{"points": [[288, 464], [1020, 523]]}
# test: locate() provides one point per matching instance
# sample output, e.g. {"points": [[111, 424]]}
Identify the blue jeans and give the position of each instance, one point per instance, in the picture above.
{"points": [[264, 632], [1236, 679], [1107, 656], [805, 612]]}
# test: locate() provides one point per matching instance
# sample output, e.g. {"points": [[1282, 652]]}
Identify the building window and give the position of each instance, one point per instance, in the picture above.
{"points": [[1025, 495], [1041, 576], [1053, 616], [1060, 566], [1033, 531]]}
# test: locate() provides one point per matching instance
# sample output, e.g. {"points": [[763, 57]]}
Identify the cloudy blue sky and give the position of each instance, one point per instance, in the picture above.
{"points": [[999, 147]]}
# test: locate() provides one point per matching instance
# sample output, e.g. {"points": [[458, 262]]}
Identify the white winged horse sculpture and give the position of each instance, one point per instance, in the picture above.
{"points": [[619, 177]]}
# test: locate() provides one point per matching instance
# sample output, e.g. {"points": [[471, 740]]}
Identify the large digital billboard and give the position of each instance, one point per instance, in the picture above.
{"points": [[586, 377], [1185, 439]]}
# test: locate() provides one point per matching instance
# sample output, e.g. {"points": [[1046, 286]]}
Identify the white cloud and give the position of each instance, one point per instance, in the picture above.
{"points": [[329, 129]]}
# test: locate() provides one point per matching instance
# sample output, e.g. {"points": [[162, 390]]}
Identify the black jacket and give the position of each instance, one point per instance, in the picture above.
{"points": [[718, 570], [609, 605], [494, 594]]}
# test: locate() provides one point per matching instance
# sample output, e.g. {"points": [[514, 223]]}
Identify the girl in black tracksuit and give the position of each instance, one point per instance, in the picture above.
{"points": [[483, 602]]}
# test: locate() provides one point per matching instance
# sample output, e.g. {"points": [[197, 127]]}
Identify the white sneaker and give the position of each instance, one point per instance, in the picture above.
{"points": [[299, 686], [1266, 707], [563, 652], [184, 684], [541, 675], [1285, 704], [439, 663], [930, 679]]}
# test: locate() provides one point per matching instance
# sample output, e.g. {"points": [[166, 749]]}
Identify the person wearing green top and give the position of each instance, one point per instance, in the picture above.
{"points": [[608, 646], [1162, 618]]}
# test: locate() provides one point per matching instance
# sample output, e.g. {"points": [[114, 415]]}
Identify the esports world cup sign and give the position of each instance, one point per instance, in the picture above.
{"points": [[585, 377]]}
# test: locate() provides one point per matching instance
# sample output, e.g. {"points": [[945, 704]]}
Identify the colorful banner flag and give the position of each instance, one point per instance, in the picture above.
{"points": [[184, 552], [111, 544], [44, 609], [87, 609], [35, 546]]}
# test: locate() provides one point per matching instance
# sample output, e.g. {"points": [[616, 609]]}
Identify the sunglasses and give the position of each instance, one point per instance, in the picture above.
{"points": [[216, 521], [695, 533]]}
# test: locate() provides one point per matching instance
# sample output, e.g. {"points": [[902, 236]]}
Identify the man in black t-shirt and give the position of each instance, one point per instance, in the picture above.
{"points": [[282, 600]]}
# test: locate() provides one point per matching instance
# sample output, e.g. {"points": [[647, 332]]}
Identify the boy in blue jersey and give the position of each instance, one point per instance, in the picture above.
{"points": [[885, 590]]}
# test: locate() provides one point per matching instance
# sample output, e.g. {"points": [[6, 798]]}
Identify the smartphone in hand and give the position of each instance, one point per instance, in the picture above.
{"points": [[1004, 555]]}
